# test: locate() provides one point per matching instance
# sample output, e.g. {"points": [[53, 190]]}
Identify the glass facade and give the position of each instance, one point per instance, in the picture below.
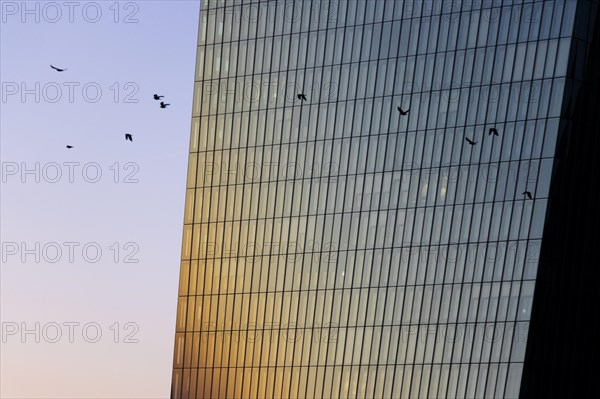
{"points": [[337, 246]]}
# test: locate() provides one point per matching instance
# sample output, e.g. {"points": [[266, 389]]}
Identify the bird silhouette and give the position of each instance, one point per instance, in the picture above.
{"points": [[471, 142], [163, 105], [157, 97], [58, 69], [302, 97], [69, 146], [528, 194], [402, 112], [493, 131], [128, 137]]}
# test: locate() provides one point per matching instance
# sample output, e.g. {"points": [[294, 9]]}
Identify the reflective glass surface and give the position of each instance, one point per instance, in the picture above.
{"points": [[366, 196]]}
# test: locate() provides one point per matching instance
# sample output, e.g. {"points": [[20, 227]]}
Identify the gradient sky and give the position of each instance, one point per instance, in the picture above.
{"points": [[156, 54]]}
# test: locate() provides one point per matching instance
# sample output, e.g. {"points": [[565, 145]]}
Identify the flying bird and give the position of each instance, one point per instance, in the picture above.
{"points": [[58, 69], [128, 137], [493, 131], [471, 142], [69, 146], [402, 112], [163, 105], [301, 97], [157, 97], [528, 194]]}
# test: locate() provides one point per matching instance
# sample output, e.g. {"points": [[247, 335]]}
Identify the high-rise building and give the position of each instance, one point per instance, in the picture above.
{"points": [[370, 199]]}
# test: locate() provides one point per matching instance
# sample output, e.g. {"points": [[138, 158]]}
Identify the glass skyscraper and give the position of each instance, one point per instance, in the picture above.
{"points": [[368, 188]]}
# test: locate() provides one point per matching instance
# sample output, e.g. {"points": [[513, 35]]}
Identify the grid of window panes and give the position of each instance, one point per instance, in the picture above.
{"points": [[334, 248]]}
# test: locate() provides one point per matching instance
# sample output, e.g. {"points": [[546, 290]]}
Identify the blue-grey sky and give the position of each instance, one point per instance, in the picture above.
{"points": [[132, 211]]}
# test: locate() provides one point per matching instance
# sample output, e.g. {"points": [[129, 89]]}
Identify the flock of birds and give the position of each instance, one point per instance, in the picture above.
{"points": [[302, 97], [491, 132], [162, 104], [128, 136]]}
